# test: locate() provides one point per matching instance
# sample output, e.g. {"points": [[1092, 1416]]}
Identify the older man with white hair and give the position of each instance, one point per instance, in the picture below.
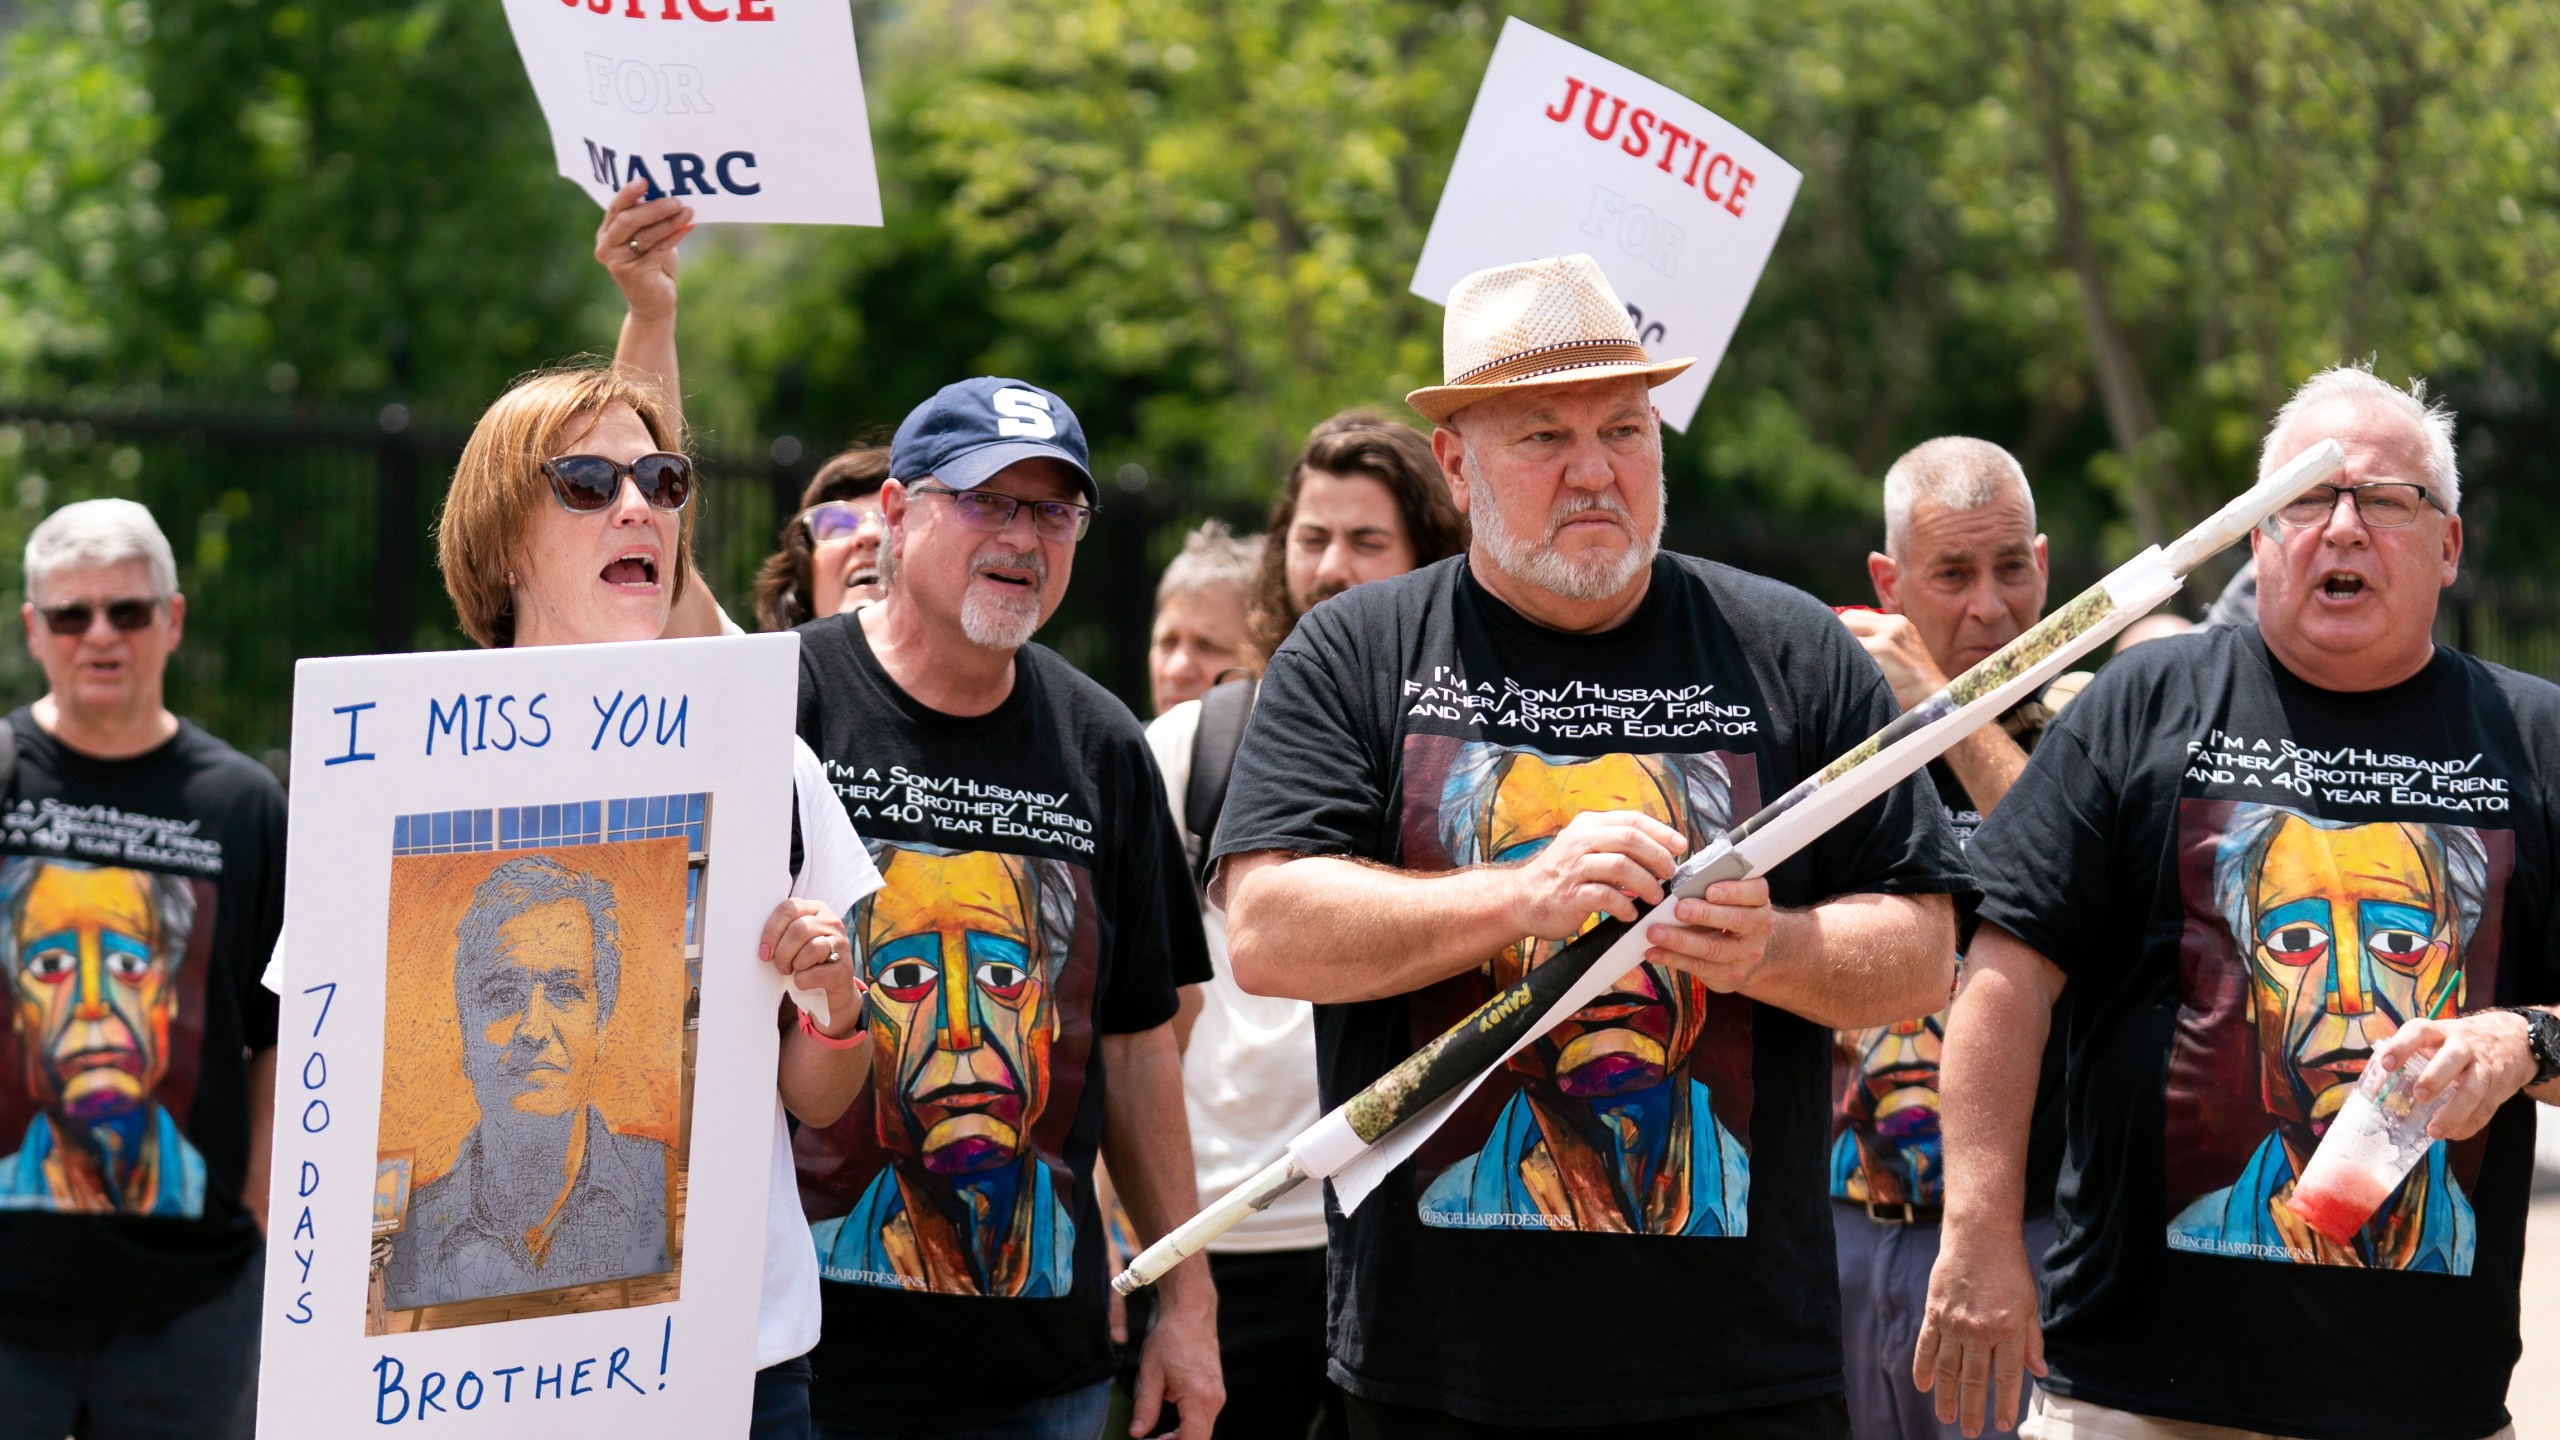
{"points": [[2258, 865], [141, 884], [1203, 631], [1452, 773]]}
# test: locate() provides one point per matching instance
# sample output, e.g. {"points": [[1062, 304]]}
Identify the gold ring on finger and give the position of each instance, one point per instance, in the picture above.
{"points": [[633, 246]]}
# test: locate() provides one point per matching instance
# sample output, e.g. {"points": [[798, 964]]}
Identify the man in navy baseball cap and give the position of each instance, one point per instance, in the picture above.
{"points": [[1022, 957], [972, 429]]}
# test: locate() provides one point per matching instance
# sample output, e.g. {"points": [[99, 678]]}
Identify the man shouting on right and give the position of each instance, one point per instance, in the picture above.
{"points": [[2253, 863]]}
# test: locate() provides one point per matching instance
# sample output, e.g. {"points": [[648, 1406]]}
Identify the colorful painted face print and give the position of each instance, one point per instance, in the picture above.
{"points": [[105, 1001], [1608, 1122], [2309, 942], [966, 953], [1887, 1151]]}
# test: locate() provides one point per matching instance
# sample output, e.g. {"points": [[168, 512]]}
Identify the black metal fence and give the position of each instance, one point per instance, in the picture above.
{"points": [[301, 534]]}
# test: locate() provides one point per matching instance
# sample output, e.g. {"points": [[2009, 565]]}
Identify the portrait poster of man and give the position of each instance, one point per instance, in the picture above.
{"points": [[1633, 1116], [948, 1175], [2308, 942], [534, 1050], [524, 1101], [105, 970]]}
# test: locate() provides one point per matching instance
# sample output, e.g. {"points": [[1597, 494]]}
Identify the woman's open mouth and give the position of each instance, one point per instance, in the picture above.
{"points": [[632, 570]]}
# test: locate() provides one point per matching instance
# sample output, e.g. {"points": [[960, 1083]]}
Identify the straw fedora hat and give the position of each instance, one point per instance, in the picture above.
{"points": [[1541, 322]]}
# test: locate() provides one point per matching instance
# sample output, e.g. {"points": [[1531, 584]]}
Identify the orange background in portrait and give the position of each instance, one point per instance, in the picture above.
{"points": [[427, 1105]]}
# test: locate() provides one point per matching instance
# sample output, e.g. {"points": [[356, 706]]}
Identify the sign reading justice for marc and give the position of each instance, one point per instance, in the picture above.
{"points": [[1566, 153], [748, 110]]}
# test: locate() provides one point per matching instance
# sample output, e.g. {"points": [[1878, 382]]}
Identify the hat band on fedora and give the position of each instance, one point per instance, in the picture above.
{"points": [[1566, 355]]}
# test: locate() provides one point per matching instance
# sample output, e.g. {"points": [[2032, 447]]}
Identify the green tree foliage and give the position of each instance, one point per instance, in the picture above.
{"points": [[321, 202], [2110, 235]]}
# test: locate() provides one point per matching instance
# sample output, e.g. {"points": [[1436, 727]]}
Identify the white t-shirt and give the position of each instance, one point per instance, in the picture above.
{"points": [[835, 869], [1249, 1075]]}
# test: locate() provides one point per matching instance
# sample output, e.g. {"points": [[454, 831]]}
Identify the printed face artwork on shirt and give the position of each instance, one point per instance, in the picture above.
{"points": [[965, 953], [2325, 937], [1609, 1126], [102, 1002], [960, 1007], [1888, 1151]]}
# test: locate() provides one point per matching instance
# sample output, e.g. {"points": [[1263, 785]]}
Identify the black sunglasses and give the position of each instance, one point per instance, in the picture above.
{"points": [[76, 617], [588, 483]]}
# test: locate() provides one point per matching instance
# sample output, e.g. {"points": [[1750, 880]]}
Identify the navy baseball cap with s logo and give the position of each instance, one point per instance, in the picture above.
{"points": [[970, 430]]}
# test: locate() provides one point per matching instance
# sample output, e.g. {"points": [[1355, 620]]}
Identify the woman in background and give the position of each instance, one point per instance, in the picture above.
{"points": [[831, 559]]}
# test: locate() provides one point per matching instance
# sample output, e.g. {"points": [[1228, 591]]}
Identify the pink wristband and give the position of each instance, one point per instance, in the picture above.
{"points": [[809, 1027]]}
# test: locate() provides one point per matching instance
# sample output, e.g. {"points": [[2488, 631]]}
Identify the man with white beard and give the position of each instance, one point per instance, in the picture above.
{"points": [[1021, 956], [1452, 773]]}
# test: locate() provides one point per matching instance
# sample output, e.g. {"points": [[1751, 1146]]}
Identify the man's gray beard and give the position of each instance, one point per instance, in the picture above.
{"points": [[1596, 577], [996, 622]]}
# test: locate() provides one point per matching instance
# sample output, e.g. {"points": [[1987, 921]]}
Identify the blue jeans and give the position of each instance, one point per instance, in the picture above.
{"points": [[193, 1376], [782, 1402], [1075, 1415]]}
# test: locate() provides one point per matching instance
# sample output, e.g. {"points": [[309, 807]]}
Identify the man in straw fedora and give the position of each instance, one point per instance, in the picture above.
{"points": [[1450, 774]]}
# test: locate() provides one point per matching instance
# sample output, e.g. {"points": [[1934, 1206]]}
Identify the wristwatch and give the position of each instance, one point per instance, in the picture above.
{"points": [[2542, 1037]]}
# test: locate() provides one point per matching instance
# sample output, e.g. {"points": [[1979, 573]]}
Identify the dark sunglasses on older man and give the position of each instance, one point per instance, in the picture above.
{"points": [[586, 484], [76, 617]]}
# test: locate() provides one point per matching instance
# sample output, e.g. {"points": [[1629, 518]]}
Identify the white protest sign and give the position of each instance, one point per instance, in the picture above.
{"points": [[1566, 153], [748, 110], [517, 1192]]}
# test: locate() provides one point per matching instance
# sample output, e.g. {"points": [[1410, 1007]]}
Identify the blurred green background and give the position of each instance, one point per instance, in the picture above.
{"points": [[262, 261]]}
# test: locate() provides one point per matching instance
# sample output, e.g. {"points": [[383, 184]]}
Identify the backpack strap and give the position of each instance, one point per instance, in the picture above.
{"points": [[1223, 713], [8, 756]]}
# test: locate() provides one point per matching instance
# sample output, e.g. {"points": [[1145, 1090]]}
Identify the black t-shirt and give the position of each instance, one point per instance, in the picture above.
{"points": [[1885, 1149], [1034, 899], [1526, 1267], [2251, 882], [146, 893]]}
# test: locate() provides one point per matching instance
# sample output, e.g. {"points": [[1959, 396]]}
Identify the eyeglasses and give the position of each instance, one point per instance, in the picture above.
{"points": [[1062, 520], [76, 617], [834, 519], [586, 484], [2382, 504]]}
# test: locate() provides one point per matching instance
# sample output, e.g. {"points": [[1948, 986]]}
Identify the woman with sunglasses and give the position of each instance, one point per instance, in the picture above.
{"points": [[831, 560], [566, 524]]}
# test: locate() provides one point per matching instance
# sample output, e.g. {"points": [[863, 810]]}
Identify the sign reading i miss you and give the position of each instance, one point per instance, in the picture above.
{"points": [[1566, 153], [748, 110], [524, 1111]]}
